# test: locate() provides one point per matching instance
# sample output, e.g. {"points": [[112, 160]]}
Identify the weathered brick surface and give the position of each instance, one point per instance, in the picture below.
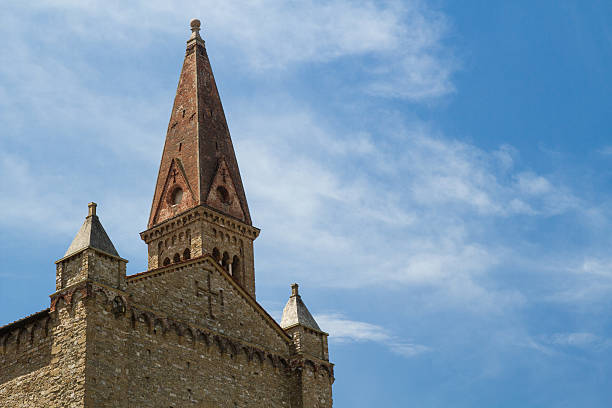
{"points": [[198, 146], [201, 231]]}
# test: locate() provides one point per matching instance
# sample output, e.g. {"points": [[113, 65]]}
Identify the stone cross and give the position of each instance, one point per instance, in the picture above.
{"points": [[208, 292]]}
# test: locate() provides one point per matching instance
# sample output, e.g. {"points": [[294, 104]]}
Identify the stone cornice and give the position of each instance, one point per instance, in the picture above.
{"points": [[201, 212], [93, 249], [23, 322], [306, 328]]}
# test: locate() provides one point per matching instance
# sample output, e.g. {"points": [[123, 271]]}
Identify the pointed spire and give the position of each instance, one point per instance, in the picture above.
{"points": [[91, 235], [198, 157], [296, 313]]}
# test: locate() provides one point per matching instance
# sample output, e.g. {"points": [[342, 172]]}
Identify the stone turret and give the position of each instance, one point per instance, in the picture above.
{"points": [[309, 344], [298, 323], [91, 256]]}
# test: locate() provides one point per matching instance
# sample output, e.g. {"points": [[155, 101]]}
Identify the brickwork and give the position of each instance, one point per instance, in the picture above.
{"points": [[202, 294], [188, 332], [175, 364], [203, 231], [109, 269], [198, 142], [183, 334]]}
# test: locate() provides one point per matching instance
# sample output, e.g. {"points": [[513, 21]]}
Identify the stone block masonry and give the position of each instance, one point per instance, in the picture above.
{"points": [[188, 332]]}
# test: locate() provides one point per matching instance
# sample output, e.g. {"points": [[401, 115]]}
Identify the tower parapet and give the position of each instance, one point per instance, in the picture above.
{"points": [[91, 256]]}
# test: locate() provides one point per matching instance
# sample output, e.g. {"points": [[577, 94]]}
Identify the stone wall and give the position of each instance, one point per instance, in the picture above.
{"points": [[185, 335], [47, 370], [25, 347], [309, 341], [133, 364], [90, 264], [197, 293], [204, 231], [316, 386]]}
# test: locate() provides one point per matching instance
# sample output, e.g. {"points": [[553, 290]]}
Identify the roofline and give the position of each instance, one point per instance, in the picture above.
{"points": [[24, 321], [306, 327], [244, 293], [95, 249]]}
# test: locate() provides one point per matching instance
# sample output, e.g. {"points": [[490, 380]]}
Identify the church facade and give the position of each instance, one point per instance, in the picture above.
{"points": [[188, 332]]}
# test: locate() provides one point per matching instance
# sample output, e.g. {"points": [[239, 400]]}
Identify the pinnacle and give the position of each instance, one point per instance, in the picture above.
{"points": [[296, 313], [91, 235]]}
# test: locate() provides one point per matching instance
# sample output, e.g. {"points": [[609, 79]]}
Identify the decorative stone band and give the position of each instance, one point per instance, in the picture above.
{"points": [[85, 289], [226, 344], [201, 212], [301, 362], [24, 331]]}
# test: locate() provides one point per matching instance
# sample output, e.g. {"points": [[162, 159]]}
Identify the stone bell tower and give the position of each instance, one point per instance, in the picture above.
{"points": [[199, 205], [188, 332]]}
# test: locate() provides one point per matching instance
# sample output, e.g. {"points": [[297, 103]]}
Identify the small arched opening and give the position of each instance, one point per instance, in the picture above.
{"points": [[166, 261], [225, 260], [186, 254], [216, 254], [223, 194], [176, 258], [177, 196], [236, 268]]}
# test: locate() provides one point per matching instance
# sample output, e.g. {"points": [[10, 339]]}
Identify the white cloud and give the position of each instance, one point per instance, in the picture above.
{"points": [[394, 205], [400, 44], [574, 339], [342, 330], [606, 151], [419, 214], [576, 280]]}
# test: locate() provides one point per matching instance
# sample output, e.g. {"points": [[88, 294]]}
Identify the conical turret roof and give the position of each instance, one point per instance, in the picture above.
{"points": [[296, 312], [91, 235]]}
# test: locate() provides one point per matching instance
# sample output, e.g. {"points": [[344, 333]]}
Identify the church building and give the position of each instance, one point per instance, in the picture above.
{"points": [[188, 332]]}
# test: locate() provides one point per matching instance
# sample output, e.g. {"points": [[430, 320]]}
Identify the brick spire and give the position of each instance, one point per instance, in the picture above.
{"points": [[198, 165]]}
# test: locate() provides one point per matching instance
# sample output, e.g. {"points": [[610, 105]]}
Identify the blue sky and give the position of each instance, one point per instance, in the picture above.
{"points": [[436, 175]]}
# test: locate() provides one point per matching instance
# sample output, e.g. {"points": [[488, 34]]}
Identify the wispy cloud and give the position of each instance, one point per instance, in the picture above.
{"points": [[606, 151], [399, 44], [396, 203], [575, 339], [421, 214], [342, 330]]}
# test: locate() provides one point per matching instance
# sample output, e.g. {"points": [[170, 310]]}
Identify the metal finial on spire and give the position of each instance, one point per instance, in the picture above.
{"points": [[195, 28]]}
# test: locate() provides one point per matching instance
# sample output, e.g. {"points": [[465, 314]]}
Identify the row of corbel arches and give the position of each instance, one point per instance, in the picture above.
{"points": [[181, 238]]}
